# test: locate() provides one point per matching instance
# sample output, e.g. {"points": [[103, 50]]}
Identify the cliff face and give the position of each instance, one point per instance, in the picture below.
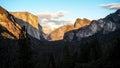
{"points": [[99, 46], [27, 18], [108, 24], [81, 23], [30, 22], [11, 29], [59, 33], [15, 20]]}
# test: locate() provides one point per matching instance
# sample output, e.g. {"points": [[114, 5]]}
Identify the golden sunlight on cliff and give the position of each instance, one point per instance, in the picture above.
{"points": [[14, 28], [81, 23], [7, 21], [27, 17], [58, 34]]}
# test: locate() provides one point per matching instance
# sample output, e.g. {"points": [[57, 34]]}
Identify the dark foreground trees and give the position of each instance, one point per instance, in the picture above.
{"points": [[25, 52]]}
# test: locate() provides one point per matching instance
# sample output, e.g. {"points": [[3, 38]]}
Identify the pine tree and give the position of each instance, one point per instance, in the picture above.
{"points": [[67, 58], [24, 50], [83, 53], [95, 50], [51, 62]]}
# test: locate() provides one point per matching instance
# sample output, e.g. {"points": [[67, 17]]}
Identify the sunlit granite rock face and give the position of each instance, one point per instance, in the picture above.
{"points": [[58, 34], [81, 22], [11, 29], [11, 24], [105, 25], [30, 22], [27, 18]]}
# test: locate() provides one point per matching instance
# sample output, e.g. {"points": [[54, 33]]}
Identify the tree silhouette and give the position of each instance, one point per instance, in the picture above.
{"points": [[83, 53], [95, 50], [51, 62], [24, 50], [67, 58]]}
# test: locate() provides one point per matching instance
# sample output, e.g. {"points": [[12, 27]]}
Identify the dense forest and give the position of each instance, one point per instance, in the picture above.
{"points": [[96, 51]]}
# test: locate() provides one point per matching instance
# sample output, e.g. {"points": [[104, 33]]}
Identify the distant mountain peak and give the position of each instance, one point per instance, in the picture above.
{"points": [[11, 24], [105, 25], [9, 28], [81, 22], [27, 17], [58, 34]]}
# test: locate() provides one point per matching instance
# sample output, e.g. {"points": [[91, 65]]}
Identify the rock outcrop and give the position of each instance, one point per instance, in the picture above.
{"points": [[8, 22], [100, 50], [27, 18], [105, 25], [58, 34], [81, 23], [13, 22], [30, 21]]}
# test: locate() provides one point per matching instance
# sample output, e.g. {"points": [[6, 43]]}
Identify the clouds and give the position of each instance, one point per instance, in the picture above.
{"points": [[48, 15], [111, 5], [53, 24], [59, 22], [52, 21]]}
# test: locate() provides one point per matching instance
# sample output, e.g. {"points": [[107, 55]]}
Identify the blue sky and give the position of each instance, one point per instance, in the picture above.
{"points": [[74, 8]]}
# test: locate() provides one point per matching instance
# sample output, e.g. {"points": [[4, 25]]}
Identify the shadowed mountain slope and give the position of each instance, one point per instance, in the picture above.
{"points": [[105, 25], [99, 50], [58, 34], [21, 19]]}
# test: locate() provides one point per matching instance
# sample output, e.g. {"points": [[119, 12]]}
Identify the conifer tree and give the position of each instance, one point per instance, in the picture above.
{"points": [[67, 58], [24, 50], [51, 62]]}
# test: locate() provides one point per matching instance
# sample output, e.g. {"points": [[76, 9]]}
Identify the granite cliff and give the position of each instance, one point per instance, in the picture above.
{"points": [[30, 22], [27, 18], [105, 25], [14, 21], [58, 34], [8, 22], [85, 50], [81, 22]]}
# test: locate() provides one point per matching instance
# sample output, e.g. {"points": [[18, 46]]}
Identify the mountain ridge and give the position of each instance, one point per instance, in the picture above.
{"points": [[7, 21], [14, 21], [58, 33], [27, 17], [94, 46], [104, 25]]}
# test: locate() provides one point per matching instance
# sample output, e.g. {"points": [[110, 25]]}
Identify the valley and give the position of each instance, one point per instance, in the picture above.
{"points": [[86, 44]]}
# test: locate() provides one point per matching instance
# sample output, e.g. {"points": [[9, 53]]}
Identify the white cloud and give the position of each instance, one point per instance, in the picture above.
{"points": [[111, 5], [48, 15], [53, 24], [51, 21], [60, 22]]}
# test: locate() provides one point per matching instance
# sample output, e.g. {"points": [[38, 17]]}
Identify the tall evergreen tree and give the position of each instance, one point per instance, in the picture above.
{"points": [[24, 50], [67, 58], [51, 62]]}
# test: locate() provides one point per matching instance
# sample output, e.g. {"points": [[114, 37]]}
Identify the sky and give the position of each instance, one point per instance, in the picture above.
{"points": [[55, 13]]}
